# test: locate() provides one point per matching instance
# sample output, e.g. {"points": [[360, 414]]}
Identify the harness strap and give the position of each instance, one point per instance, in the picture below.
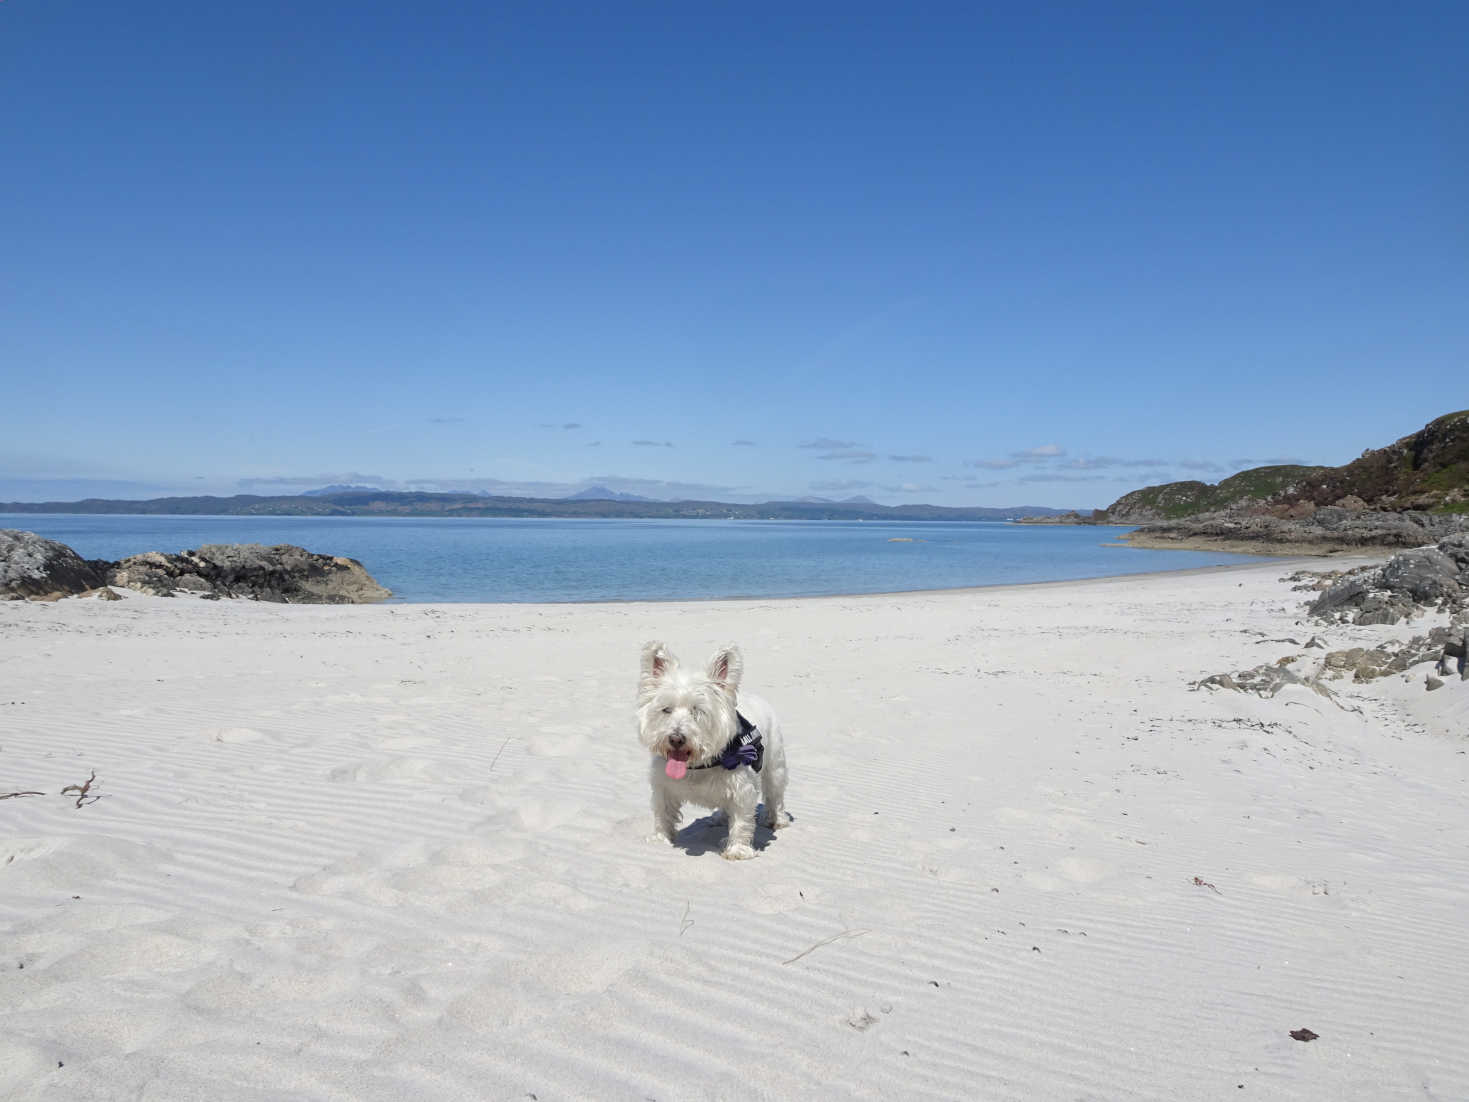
{"points": [[746, 748]]}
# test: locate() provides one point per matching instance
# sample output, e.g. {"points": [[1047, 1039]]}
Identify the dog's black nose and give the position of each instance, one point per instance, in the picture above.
{"points": [[676, 741]]}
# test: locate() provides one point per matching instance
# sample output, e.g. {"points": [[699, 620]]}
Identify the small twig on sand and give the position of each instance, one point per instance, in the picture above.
{"points": [[684, 921], [825, 941], [82, 790], [13, 795], [1206, 884], [498, 752]]}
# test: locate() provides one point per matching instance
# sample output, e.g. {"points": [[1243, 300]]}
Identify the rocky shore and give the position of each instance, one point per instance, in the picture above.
{"points": [[1426, 583], [35, 568], [1329, 530]]}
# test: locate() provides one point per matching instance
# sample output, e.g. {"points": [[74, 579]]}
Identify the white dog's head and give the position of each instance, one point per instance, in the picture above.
{"points": [[688, 716]]}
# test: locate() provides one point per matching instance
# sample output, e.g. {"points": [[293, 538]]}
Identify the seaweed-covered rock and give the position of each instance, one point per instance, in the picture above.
{"points": [[285, 574], [1319, 531], [33, 566]]}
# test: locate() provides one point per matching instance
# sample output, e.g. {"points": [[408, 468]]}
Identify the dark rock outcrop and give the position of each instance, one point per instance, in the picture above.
{"points": [[1327, 530], [285, 574], [1436, 577], [32, 566]]}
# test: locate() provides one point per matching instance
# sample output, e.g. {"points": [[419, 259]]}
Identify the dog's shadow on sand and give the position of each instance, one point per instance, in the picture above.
{"points": [[708, 833]]}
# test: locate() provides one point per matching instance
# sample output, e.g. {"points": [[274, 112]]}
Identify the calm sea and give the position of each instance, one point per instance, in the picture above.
{"points": [[434, 559]]}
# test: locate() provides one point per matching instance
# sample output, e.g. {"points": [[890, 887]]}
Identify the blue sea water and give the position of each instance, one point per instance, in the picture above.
{"points": [[543, 560]]}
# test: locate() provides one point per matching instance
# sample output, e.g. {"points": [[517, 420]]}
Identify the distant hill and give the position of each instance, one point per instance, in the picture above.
{"points": [[858, 499], [327, 490], [601, 493], [1426, 471], [369, 502]]}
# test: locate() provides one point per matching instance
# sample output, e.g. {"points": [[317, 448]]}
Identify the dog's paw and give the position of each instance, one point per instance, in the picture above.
{"points": [[738, 852], [658, 838], [777, 822]]}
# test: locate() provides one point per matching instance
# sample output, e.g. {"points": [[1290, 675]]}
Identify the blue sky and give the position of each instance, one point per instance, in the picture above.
{"points": [[964, 254]]}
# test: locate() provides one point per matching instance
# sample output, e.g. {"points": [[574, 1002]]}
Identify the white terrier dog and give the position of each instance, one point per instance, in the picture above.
{"points": [[706, 751]]}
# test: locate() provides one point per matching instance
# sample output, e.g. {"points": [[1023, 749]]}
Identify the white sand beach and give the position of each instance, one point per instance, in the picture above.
{"points": [[399, 852]]}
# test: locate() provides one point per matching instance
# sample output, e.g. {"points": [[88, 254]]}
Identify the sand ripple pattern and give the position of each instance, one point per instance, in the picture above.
{"points": [[389, 853]]}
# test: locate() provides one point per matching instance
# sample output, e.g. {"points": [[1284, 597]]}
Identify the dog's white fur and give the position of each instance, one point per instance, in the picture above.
{"points": [[686, 711]]}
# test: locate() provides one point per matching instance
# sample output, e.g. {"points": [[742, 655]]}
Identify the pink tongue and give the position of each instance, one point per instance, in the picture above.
{"points": [[676, 769]]}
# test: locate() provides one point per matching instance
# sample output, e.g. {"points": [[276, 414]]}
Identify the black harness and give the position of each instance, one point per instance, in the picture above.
{"points": [[746, 748]]}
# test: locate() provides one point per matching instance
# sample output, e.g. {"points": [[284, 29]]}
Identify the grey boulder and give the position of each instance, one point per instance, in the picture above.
{"points": [[33, 566]]}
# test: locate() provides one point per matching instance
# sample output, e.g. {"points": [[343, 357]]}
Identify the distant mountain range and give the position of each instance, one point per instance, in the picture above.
{"points": [[327, 491], [365, 501], [601, 493]]}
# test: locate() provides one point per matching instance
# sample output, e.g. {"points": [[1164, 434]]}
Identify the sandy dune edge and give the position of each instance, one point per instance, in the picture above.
{"points": [[397, 852]]}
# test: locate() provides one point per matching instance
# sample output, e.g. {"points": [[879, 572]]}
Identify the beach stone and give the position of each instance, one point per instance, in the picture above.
{"points": [[1430, 683], [1341, 595], [33, 566], [1457, 548], [102, 593], [284, 574]]}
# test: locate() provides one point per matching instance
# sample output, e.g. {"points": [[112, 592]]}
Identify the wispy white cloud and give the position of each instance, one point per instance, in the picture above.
{"points": [[743, 444], [1278, 461], [1103, 461], [992, 464], [285, 484], [1037, 455], [827, 443], [835, 486], [910, 458], [652, 444]]}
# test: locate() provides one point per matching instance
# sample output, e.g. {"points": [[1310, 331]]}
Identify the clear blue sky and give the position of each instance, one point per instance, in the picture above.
{"points": [[958, 253]]}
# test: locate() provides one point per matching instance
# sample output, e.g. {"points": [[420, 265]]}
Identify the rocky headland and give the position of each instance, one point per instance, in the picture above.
{"points": [[1410, 493], [35, 568]]}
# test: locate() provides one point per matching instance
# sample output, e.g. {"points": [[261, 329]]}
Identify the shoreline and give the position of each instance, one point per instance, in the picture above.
{"points": [[1099, 579], [1081, 554], [1262, 561]]}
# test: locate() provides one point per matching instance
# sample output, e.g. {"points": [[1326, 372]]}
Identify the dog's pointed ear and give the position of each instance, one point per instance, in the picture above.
{"points": [[657, 661], [726, 667]]}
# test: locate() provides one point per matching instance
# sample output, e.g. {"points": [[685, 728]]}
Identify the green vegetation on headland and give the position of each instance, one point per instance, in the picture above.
{"points": [[1174, 500], [384, 503], [1427, 471]]}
